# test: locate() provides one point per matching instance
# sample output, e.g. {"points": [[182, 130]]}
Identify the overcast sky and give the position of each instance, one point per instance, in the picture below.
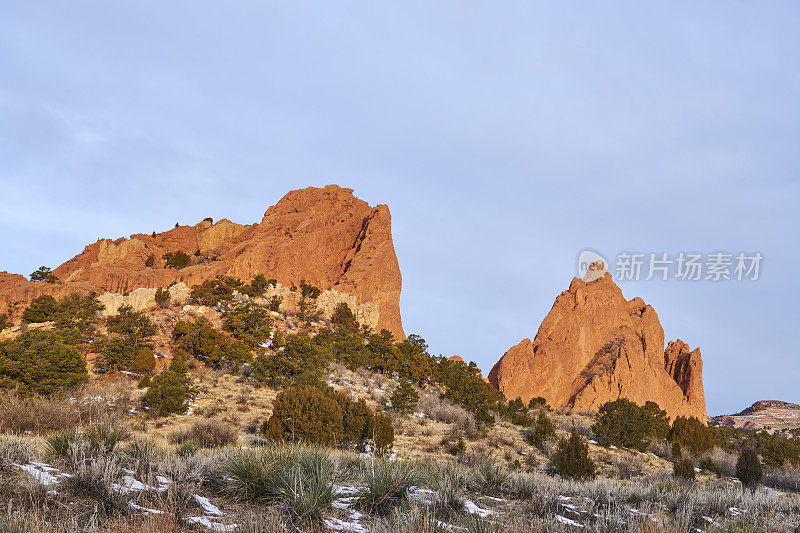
{"points": [[505, 137]]}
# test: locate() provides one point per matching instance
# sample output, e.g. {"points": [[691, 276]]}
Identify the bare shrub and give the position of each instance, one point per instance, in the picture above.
{"points": [[477, 454], [661, 448], [628, 465], [724, 462], [40, 414], [214, 434], [35, 414], [142, 454], [15, 450], [448, 413], [94, 478], [785, 478], [17, 487]]}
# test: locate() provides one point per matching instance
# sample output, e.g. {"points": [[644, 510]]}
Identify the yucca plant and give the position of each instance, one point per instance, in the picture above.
{"points": [[489, 476], [299, 480], [387, 485], [103, 437], [448, 483], [306, 488], [188, 448], [58, 444]]}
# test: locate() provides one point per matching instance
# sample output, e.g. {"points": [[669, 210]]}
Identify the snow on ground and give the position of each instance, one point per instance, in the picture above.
{"points": [[341, 525], [207, 506], [145, 510], [567, 521], [43, 473], [470, 507], [47, 476], [211, 524]]}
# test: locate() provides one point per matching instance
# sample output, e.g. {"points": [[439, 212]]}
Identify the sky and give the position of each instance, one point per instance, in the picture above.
{"points": [[505, 138]]}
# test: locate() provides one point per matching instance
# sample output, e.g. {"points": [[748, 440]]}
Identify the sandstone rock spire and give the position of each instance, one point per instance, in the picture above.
{"points": [[595, 346]]}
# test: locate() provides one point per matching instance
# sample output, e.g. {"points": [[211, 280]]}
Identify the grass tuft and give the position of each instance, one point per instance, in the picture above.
{"points": [[387, 485]]}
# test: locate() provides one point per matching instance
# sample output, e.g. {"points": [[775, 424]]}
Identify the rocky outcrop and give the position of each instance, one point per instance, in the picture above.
{"points": [[773, 416], [324, 236], [141, 299], [595, 346], [685, 366]]}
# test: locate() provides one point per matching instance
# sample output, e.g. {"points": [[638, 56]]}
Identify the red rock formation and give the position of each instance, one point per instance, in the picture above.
{"points": [[325, 236], [686, 368], [595, 346]]}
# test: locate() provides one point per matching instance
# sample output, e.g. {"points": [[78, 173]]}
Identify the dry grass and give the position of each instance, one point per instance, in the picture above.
{"points": [[635, 492], [40, 415], [519, 501], [209, 434]]}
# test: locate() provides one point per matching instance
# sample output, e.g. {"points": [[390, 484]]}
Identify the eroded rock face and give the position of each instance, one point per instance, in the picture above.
{"points": [[595, 346], [686, 368], [324, 236]]}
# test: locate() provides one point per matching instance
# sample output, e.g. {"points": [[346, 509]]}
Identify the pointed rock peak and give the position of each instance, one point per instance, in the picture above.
{"points": [[595, 346]]}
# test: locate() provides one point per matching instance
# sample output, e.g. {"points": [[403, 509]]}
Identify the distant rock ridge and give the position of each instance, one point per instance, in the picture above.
{"points": [[769, 415], [595, 346], [763, 405], [324, 236]]}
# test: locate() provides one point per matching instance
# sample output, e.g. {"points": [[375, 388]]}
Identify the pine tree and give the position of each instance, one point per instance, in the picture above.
{"points": [[134, 327], [571, 460], [144, 361], [748, 468], [42, 362], [542, 429], [42, 309], [41, 274], [404, 398], [169, 392], [692, 435], [163, 298], [313, 412], [623, 423], [684, 469], [179, 363], [537, 402], [249, 323]]}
